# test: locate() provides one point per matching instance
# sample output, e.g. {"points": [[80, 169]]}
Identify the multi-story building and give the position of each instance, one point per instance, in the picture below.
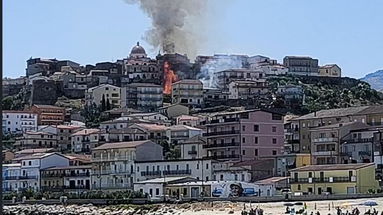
{"points": [[292, 94], [104, 94], [174, 110], [330, 70], [49, 114], [326, 141], [179, 133], [214, 97], [18, 121], [11, 176], [142, 96], [84, 140], [358, 146], [227, 76], [201, 169], [193, 148], [334, 179], [188, 92], [31, 166], [298, 65], [36, 139], [63, 133], [113, 166], [247, 89], [66, 179], [244, 135], [188, 120], [138, 131]]}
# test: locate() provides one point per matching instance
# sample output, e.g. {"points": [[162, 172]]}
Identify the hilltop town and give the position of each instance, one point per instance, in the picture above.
{"points": [[223, 126]]}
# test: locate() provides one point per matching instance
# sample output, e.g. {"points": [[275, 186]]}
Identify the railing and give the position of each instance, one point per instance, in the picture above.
{"points": [[151, 173], [108, 172], [224, 120], [112, 158], [325, 139], [59, 175], [177, 172], [222, 133], [216, 157], [192, 152], [216, 145], [359, 140], [11, 177], [321, 180], [28, 177]]}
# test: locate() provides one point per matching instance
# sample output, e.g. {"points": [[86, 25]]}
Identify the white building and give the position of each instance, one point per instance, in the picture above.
{"points": [[85, 140], [19, 121], [109, 93], [11, 175], [187, 92], [30, 177], [179, 133], [200, 169]]}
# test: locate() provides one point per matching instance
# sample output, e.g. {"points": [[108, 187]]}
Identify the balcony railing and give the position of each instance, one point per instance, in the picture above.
{"points": [[59, 175], [217, 157], [151, 173], [221, 133], [111, 172], [192, 152], [359, 140], [217, 145], [112, 158], [28, 177], [325, 139], [177, 172], [11, 177], [322, 180], [224, 120]]}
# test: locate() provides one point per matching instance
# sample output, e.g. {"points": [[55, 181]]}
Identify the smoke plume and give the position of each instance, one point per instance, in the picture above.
{"points": [[175, 24]]}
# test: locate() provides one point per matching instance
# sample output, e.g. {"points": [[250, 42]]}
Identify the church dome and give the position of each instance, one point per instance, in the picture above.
{"points": [[138, 50]]}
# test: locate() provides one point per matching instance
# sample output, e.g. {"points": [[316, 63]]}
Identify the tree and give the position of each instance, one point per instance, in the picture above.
{"points": [[103, 103], [108, 104], [7, 103], [91, 113]]}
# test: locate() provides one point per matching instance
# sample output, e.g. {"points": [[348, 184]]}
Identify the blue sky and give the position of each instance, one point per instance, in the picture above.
{"points": [[346, 32]]}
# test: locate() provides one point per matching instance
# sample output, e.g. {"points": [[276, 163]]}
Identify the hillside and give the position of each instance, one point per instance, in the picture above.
{"points": [[326, 93], [375, 79]]}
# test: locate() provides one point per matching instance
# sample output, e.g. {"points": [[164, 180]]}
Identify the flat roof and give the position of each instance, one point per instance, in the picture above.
{"points": [[118, 145], [163, 180], [332, 167]]}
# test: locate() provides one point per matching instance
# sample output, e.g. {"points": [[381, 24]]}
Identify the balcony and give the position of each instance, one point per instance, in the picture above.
{"points": [[119, 186], [11, 177], [325, 153], [359, 140], [322, 180], [28, 177], [218, 157], [364, 153], [151, 173], [227, 120], [177, 172], [217, 133], [111, 172], [325, 140], [192, 152], [112, 158], [217, 145]]}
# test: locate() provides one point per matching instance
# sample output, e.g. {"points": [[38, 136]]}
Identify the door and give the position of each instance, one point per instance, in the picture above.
{"points": [[87, 184], [319, 190], [72, 184], [329, 190], [194, 192]]}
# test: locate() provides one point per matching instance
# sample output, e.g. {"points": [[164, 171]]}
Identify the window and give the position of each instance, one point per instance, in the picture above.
{"points": [[256, 140], [299, 187], [256, 127], [243, 152], [157, 191], [274, 140], [243, 128], [310, 174], [274, 152], [242, 177], [274, 129], [207, 166], [30, 163], [243, 140], [255, 152]]}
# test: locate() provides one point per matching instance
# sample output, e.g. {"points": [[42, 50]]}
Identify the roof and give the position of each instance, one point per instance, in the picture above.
{"points": [[195, 139], [137, 49], [18, 111], [332, 167], [37, 156], [101, 85], [187, 117], [119, 145], [12, 165], [70, 127], [164, 180], [183, 127], [38, 133], [338, 112], [143, 85], [329, 66], [31, 151], [172, 105], [69, 167], [251, 162], [151, 127], [271, 180], [196, 183], [142, 114], [245, 111], [86, 131], [84, 158], [339, 125], [377, 109], [188, 81], [48, 106]]}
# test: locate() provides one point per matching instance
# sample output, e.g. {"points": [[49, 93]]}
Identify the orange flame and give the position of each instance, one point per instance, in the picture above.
{"points": [[169, 78]]}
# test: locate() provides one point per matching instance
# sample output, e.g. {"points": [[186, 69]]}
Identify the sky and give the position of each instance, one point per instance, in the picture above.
{"points": [[346, 32]]}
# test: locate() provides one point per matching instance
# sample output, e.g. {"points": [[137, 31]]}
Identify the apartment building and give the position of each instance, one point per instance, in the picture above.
{"points": [[85, 140], [330, 70], [247, 89], [200, 169], [174, 110], [292, 94], [18, 121], [63, 134], [49, 114], [11, 175], [188, 92], [104, 94], [138, 131], [305, 66], [113, 166], [193, 148], [179, 133], [36, 139], [142, 96], [66, 179], [326, 141], [358, 146], [31, 166], [224, 78], [192, 121], [244, 135], [334, 179]]}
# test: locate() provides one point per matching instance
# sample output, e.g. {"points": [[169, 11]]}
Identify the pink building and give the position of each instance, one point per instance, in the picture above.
{"points": [[244, 135]]}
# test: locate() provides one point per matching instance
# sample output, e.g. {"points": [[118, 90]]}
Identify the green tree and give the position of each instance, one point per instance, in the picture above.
{"points": [[7, 103], [108, 106], [103, 103]]}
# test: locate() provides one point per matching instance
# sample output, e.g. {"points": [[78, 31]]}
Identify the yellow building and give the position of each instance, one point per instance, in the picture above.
{"points": [[334, 179]]}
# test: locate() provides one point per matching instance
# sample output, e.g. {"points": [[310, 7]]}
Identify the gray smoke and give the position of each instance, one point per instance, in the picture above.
{"points": [[216, 64], [175, 24]]}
